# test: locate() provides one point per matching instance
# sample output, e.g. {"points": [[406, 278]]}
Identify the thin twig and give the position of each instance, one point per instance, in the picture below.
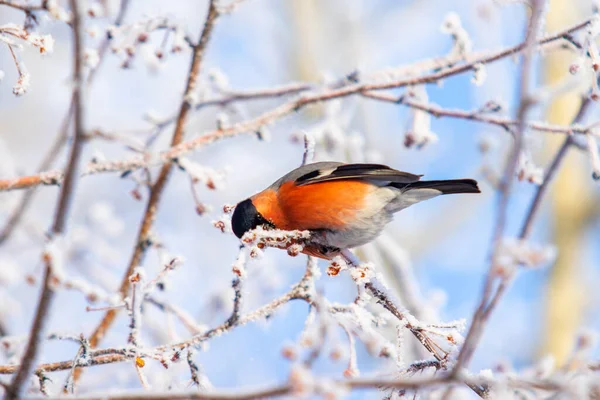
{"points": [[193, 367], [183, 316], [237, 301], [105, 45], [135, 309], [272, 392], [72, 172], [551, 172], [24, 7], [477, 115], [31, 351], [95, 359]]}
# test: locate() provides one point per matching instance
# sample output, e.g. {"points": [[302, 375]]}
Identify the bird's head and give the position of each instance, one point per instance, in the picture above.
{"points": [[246, 217]]}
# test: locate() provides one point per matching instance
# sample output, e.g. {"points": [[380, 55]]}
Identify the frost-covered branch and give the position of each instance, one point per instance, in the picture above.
{"points": [[60, 218], [314, 96], [496, 282], [158, 187]]}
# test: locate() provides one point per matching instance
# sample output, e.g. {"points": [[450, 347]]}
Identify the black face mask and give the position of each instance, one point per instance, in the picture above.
{"points": [[246, 217]]}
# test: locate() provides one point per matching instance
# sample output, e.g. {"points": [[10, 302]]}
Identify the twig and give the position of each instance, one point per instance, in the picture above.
{"points": [[193, 367], [60, 217], [183, 316], [278, 391], [404, 274], [158, 187], [72, 173], [272, 392], [477, 116], [237, 301], [142, 377], [95, 356], [135, 308], [16, 61], [309, 149], [551, 172], [42, 379], [24, 7], [24, 369], [105, 45], [82, 357]]}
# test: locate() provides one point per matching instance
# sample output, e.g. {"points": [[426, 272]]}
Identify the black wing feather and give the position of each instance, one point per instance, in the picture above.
{"points": [[376, 172]]}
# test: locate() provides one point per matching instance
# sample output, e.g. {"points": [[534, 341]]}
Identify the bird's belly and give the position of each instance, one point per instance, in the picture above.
{"points": [[361, 232]]}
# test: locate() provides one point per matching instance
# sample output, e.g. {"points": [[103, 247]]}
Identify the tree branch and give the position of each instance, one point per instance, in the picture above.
{"points": [[489, 299], [60, 217], [324, 94], [158, 187]]}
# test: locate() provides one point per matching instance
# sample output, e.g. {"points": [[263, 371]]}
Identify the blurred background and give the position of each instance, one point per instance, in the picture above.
{"points": [[264, 43]]}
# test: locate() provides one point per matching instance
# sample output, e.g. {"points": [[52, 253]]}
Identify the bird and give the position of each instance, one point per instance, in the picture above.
{"points": [[341, 205]]}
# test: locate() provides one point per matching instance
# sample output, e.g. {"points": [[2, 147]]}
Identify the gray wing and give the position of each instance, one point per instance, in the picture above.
{"points": [[331, 171]]}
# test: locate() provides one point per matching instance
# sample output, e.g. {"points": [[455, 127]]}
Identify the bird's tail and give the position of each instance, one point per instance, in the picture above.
{"points": [[415, 192], [451, 186]]}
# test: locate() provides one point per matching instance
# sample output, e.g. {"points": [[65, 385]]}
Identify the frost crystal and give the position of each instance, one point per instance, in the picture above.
{"points": [[239, 266], [218, 79], [178, 43], [91, 58], [527, 171], [362, 273], [462, 42], [22, 85], [419, 131], [212, 178], [44, 42], [514, 252], [58, 12], [479, 74]]}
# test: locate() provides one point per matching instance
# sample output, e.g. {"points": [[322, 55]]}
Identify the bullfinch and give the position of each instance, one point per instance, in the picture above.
{"points": [[341, 205]]}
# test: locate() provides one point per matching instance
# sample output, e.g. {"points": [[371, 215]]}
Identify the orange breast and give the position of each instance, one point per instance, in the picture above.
{"points": [[267, 204], [327, 205]]}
